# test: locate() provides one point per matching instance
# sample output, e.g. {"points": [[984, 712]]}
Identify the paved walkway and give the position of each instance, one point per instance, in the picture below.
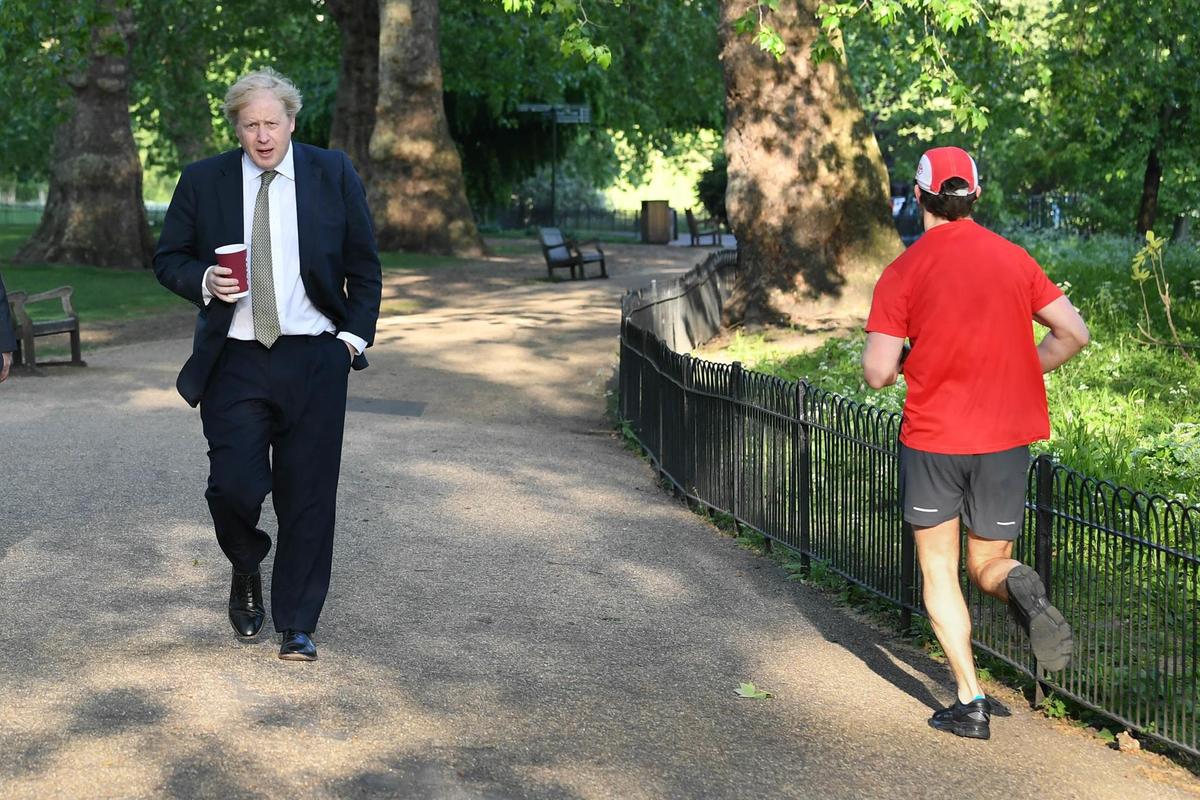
{"points": [[517, 610]]}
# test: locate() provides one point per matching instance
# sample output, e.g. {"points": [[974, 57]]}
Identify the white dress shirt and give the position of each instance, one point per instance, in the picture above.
{"points": [[297, 314]]}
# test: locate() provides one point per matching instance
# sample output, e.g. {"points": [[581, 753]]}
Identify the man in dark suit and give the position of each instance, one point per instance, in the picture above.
{"points": [[269, 369], [8, 339]]}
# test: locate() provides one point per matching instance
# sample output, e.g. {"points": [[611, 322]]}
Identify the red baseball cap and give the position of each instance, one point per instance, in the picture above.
{"points": [[942, 163]]}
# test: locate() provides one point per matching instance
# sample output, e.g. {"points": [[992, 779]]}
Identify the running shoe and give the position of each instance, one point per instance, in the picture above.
{"points": [[971, 720], [1049, 634]]}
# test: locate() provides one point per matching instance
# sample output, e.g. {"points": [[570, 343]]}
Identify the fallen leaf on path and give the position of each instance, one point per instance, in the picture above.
{"points": [[751, 692]]}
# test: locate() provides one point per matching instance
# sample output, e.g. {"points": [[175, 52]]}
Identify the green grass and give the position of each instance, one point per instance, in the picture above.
{"points": [[103, 294], [19, 215], [1123, 409], [100, 295]]}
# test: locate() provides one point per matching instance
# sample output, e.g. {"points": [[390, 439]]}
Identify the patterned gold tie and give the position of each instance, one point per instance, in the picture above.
{"points": [[262, 282]]}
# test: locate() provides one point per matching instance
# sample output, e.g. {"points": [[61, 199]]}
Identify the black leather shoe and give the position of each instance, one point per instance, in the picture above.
{"points": [[297, 647], [246, 612]]}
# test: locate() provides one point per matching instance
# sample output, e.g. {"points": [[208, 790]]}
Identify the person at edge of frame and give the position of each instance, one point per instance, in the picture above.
{"points": [[964, 297], [269, 370], [8, 339]]}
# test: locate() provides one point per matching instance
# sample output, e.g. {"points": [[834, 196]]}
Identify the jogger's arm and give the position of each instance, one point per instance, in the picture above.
{"points": [[1067, 336]]}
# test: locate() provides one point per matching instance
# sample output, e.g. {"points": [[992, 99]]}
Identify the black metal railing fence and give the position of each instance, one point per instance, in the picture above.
{"points": [[817, 473]]}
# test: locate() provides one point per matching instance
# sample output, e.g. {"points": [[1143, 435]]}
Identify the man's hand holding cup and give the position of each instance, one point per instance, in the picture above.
{"points": [[228, 281]]}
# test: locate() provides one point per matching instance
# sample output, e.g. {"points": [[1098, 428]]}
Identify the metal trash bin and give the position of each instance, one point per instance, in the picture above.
{"points": [[657, 225]]}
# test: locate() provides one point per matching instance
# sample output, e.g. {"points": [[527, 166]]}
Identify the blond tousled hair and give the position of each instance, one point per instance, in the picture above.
{"points": [[265, 79]]}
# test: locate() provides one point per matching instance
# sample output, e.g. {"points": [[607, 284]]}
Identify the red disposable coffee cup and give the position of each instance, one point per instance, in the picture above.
{"points": [[233, 256]]}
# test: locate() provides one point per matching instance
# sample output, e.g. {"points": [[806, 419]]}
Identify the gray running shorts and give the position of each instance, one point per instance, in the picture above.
{"points": [[986, 490]]}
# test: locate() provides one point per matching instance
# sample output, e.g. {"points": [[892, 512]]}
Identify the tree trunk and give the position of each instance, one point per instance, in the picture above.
{"points": [[94, 212], [1148, 206], [358, 81], [808, 195], [417, 191]]}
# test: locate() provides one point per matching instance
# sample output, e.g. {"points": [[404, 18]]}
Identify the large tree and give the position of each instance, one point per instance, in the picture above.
{"points": [[417, 193], [94, 212], [807, 193]]}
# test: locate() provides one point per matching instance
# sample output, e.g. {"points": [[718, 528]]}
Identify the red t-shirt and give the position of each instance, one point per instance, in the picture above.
{"points": [[965, 298]]}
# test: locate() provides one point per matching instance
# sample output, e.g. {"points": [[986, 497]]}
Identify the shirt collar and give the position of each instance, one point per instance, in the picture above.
{"points": [[286, 168]]}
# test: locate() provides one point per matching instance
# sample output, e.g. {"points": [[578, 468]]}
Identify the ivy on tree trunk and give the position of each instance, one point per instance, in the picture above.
{"points": [[807, 196], [417, 191]]}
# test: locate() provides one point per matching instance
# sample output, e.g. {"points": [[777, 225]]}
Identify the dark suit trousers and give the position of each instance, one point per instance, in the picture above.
{"points": [[274, 420]]}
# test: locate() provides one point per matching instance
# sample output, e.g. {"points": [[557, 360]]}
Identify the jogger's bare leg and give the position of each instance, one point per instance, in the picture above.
{"points": [[938, 552], [988, 563]]}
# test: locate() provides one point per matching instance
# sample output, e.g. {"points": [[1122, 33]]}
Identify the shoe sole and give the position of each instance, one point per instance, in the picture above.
{"points": [[1050, 635], [296, 657], [965, 731]]}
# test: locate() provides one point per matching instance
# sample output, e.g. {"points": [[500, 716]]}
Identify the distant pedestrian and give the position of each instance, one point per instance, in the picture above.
{"points": [[8, 339], [964, 297]]}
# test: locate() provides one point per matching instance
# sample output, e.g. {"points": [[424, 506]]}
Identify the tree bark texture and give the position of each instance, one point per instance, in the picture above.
{"points": [[94, 211], [808, 196], [417, 190], [358, 80]]}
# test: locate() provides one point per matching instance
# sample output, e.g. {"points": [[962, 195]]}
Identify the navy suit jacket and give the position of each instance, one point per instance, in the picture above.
{"points": [[339, 263], [8, 340]]}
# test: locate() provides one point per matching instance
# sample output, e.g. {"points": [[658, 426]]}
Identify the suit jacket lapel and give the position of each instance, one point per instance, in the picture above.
{"points": [[229, 196], [308, 179]]}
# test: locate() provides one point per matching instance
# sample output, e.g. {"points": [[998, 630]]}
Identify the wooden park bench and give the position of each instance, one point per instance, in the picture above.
{"points": [[27, 329], [702, 228], [563, 253]]}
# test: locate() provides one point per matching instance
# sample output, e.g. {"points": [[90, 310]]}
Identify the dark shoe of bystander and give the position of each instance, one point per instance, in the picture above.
{"points": [[297, 647], [1049, 634], [246, 612], [971, 720]]}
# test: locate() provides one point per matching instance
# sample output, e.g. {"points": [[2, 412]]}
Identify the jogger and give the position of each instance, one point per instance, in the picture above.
{"points": [[964, 298]]}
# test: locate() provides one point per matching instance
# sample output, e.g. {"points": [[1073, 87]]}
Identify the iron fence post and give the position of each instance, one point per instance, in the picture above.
{"points": [[641, 400], [686, 478], [735, 433], [802, 481], [1043, 545], [660, 395], [623, 369]]}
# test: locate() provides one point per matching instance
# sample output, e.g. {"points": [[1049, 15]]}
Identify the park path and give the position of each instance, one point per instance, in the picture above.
{"points": [[517, 610]]}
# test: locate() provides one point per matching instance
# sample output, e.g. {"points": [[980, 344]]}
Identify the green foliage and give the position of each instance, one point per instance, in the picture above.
{"points": [[40, 44], [1054, 707], [187, 54], [1058, 97], [496, 56], [183, 57], [754, 23], [927, 31], [1148, 263]]}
